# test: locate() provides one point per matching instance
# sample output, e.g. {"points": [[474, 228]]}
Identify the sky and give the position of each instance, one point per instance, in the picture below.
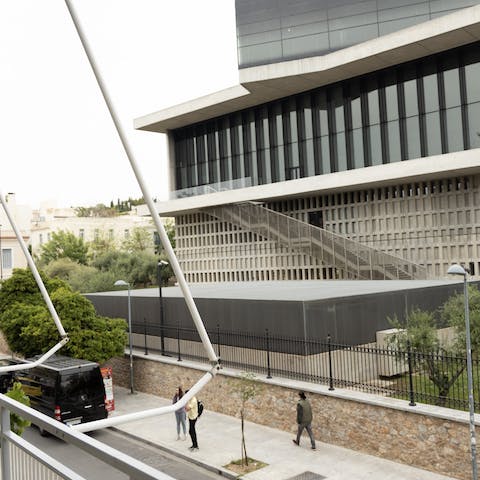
{"points": [[57, 140]]}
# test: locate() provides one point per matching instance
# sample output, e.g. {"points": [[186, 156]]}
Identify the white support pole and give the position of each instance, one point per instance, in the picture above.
{"points": [[131, 417], [45, 356], [146, 194], [33, 269]]}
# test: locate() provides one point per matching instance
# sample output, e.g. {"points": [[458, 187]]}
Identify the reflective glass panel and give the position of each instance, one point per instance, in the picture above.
{"points": [[472, 77], [394, 152], [325, 149], [373, 103], [451, 81], [410, 89], [454, 129], [310, 158], [413, 138], [430, 88], [434, 137], [474, 124], [358, 157], [338, 106], [375, 145], [341, 152], [391, 96], [355, 104]]}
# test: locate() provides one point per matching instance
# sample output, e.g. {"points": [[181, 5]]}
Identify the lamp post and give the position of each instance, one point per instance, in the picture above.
{"points": [[459, 270], [161, 263], [123, 283]]}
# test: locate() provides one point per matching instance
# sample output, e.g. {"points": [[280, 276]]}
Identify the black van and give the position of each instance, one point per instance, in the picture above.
{"points": [[68, 389]]}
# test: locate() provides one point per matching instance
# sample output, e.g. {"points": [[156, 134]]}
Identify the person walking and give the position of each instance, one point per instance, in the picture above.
{"points": [[304, 419], [180, 414], [192, 414]]}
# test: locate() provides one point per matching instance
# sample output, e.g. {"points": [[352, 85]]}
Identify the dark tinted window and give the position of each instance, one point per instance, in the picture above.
{"points": [[82, 385]]}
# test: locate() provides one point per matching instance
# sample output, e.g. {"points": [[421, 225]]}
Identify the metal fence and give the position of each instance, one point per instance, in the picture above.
{"points": [[433, 378]]}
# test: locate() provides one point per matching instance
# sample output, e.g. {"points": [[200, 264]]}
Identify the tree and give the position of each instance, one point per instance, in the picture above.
{"points": [[100, 245], [99, 210], [17, 423], [140, 240], [246, 388], [419, 333], [64, 244], [453, 314], [138, 269], [170, 231], [30, 330]]}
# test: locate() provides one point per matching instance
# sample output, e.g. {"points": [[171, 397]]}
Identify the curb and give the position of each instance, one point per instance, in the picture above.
{"points": [[218, 470]]}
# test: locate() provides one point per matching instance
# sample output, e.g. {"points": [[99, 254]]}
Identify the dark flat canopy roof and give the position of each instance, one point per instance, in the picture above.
{"points": [[305, 290]]}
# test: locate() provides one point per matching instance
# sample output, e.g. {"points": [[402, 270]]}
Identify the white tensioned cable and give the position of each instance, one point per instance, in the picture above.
{"points": [[168, 249], [43, 291], [146, 195]]}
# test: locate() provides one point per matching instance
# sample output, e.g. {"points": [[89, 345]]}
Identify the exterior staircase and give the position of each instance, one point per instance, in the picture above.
{"points": [[355, 260]]}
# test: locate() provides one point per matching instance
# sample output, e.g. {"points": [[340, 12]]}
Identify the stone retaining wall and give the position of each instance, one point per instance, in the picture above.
{"points": [[425, 441]]}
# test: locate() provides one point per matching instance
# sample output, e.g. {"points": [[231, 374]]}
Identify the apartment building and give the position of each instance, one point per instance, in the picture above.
{"points": [[11, 254], [115, 229], [349, 149]]}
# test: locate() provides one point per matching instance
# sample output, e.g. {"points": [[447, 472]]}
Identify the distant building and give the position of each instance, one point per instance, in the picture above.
{"points": [[116, 229], [350, 149], [11, 254]]}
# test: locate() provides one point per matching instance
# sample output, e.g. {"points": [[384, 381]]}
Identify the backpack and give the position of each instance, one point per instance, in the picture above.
{"points": [[199, 407]]}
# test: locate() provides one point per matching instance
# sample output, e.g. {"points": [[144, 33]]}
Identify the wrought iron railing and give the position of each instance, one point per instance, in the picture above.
{"points": [[353, 259], [410, 375]]}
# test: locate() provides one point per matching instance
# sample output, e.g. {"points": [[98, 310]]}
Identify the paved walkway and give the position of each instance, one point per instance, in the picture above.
{"points": [[219, 440]]}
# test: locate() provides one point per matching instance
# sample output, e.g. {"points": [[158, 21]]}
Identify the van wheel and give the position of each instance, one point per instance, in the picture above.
{"points": [[43, 433]]}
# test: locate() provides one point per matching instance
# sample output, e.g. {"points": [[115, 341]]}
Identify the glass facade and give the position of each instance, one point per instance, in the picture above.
{"points": [[270, 31], [418, 109]]}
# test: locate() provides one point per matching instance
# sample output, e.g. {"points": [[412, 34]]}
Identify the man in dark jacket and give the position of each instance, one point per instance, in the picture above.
{"points": [[304, 419]]}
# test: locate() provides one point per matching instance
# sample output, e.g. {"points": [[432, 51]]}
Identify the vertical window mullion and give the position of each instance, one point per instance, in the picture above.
{"points": [[383, 121], [443, 113], [464, 104], [332, 132], [367, 150], [402, 119], [421, 115], [348, 126]]}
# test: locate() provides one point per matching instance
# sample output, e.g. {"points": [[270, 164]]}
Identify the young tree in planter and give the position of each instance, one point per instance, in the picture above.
{"points": [[246, 388]]}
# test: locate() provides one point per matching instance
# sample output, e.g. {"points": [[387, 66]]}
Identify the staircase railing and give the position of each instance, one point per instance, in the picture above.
{"points": [[353, 258]]}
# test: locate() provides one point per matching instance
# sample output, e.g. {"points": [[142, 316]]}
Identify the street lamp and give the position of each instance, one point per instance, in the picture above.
{"points": [[161, 263], [459, 270], [123, 283]]}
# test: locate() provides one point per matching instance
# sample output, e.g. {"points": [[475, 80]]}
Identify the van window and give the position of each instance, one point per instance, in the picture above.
{"points": [[81, 385]]}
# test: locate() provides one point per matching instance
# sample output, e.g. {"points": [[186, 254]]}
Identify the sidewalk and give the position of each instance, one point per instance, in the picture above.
{"points": [[219, 440]]}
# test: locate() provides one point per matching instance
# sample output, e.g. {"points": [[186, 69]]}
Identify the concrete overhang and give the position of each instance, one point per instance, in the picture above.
{"points": [[269, 82], [417, 170]]}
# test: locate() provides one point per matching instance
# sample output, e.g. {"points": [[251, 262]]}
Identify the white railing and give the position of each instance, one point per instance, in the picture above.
{"points": [[20, 460]]}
